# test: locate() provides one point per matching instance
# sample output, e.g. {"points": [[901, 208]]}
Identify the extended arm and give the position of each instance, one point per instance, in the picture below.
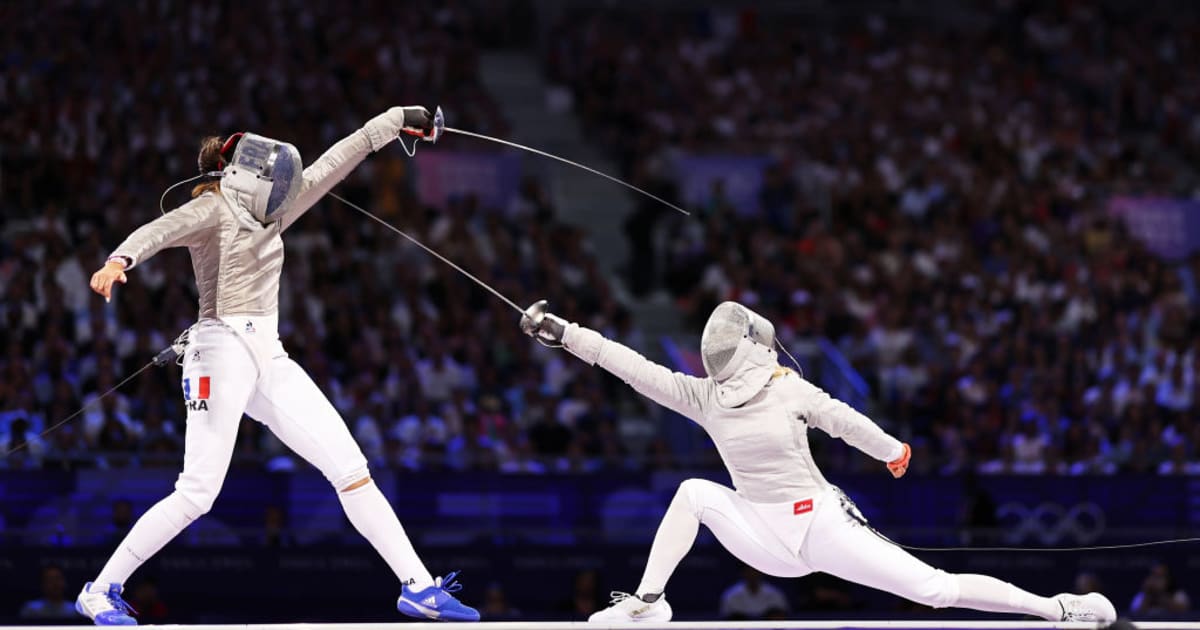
{"points": [[842, 421], [176, 228], [678, 392], [336, 163]]}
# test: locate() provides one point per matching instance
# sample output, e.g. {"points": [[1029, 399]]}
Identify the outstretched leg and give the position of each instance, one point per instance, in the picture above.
{"points": [[296, 411], [293, 407], [218, 380], [840, 545]]}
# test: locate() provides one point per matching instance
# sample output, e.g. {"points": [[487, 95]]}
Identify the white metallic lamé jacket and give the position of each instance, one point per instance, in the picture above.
{"points": [[238, 260], [763, 442]]}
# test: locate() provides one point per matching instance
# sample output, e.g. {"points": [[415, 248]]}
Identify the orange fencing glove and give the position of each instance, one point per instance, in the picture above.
{"points": [[899, 466]]}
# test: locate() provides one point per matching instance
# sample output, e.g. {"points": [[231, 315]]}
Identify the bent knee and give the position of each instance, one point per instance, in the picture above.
{"points": [[181, 510], [693, 491], [355, 485], [194, 500], [352, 480], [938, 590], [690, 489], [342, 476]]}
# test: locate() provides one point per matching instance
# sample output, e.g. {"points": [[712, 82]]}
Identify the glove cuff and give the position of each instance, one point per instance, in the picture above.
{"points": [[384, 128], [583, 342], [124, 259]]}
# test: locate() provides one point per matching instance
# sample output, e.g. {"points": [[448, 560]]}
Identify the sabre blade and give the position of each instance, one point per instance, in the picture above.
{"points": [[429, 251], [566, 161]]}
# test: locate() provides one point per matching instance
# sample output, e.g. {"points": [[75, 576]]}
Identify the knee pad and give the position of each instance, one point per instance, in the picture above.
{"points": [[939, 590]]}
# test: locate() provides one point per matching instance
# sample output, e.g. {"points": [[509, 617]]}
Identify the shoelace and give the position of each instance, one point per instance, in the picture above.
{"points": [[618, 597], [120, 604], [449, 583]]}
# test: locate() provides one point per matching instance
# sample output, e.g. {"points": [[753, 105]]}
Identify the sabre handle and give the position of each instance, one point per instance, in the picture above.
{"points": [[431, 133], [546, 327]]}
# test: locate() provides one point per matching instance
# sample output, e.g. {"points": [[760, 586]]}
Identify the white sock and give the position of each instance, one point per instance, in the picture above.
{"points": [[374, 518], [149, 534], [980, 592], [675, 536]]}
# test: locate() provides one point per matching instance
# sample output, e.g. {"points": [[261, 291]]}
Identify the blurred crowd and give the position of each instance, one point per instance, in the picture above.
{"points": [[936, 203], [427, 369]]}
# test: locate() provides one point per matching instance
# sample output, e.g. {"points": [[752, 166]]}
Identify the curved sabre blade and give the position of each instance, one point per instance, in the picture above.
{"points": [[560, 159]]}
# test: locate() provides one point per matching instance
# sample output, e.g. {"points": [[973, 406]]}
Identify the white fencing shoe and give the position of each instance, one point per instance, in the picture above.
{"points": [[1090, 607], [626, 608]]}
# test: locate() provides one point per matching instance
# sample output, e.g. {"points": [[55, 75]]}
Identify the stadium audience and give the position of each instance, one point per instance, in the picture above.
{"points": [[425, 368], [53, 605], [936, 204], [752, 598], [1160, 595]]}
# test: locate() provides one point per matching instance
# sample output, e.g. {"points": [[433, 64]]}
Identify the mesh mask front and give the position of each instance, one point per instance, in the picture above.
{"points": [[265, 175], [728, 324]]}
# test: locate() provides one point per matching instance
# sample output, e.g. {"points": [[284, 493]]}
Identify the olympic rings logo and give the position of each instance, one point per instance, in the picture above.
{"points": [[1051, 523]]}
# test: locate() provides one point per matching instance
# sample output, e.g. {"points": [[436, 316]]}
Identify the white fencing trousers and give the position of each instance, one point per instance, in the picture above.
{"points": [[237, 365], [815, 533], [247, 371]]}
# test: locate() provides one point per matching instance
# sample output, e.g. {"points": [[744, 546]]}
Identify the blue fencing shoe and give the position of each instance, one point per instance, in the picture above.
{"points": [[103, 604], [436, 602]]}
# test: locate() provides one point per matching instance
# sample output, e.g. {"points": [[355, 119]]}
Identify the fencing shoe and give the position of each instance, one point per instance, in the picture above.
{"points": [[103, 604], [626, 608], [436, 602], [1090, 607]]}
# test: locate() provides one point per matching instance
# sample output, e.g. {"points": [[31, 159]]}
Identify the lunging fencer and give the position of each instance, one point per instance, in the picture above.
{"points": [[784, 518], [234, 361]]}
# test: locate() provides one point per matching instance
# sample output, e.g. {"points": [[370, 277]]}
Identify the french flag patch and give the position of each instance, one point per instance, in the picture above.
{"points": [[201, 388], [802, 507]]}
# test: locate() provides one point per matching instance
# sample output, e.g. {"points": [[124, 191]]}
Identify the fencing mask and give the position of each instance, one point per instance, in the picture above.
{"points": [[263, 175], [737, 348]]}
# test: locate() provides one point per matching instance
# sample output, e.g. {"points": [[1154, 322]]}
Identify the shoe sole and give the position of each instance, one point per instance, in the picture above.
{"points": [[415, 609], [79, 609], [622, 619]]}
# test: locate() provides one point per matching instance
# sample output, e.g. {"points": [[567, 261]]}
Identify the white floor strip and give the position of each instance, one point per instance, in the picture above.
{"points": [[675, 625]]}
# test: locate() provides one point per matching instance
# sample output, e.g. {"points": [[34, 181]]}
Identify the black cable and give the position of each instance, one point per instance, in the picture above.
{"points": [[1152, 543], [162, 358]]}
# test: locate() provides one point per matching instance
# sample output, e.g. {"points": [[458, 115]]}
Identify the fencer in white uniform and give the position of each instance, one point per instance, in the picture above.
{"points": [[782, 517], [234, 362]]}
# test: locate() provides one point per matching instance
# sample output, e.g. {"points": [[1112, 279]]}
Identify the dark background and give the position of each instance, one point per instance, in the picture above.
{"points": [[974, 221]]}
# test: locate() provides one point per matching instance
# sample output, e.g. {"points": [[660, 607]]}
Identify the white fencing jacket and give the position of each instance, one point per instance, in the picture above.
{"points": [[237, 260], [763, 442]]}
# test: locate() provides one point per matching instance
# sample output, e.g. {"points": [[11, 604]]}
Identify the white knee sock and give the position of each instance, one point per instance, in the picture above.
{"points": [[980, 592], [374, 518], [149, 534], [675, 536]]}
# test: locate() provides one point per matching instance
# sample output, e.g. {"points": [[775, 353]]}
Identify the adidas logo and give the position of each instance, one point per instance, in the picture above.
{"points": [[430, 601], [639, 611]]}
